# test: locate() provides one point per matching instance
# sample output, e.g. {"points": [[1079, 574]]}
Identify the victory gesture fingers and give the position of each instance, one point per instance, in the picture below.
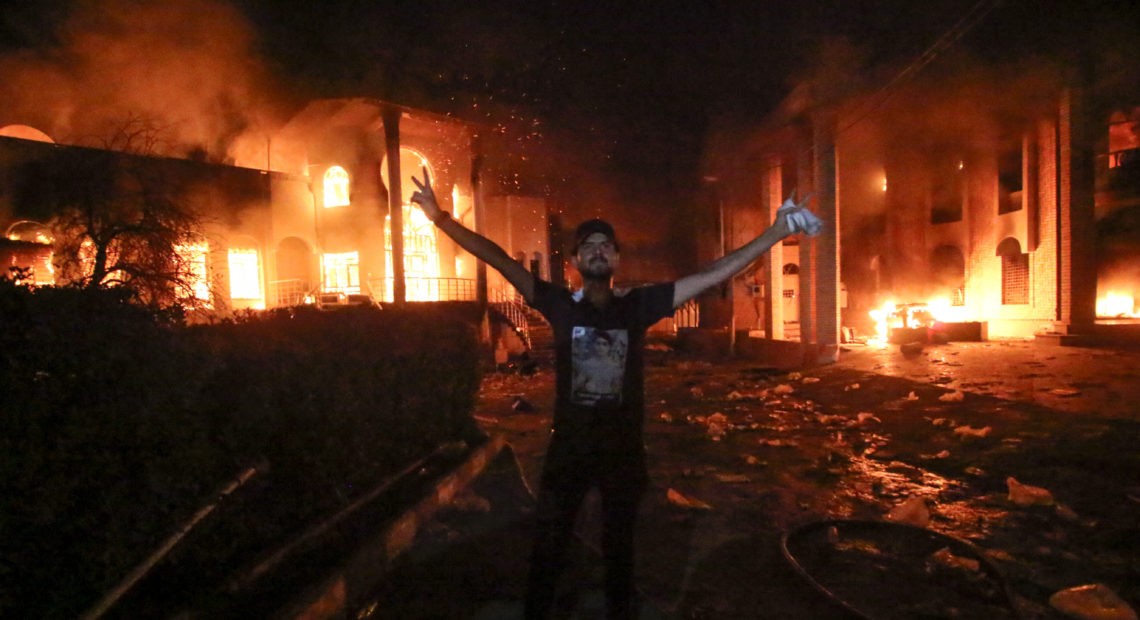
{"points": [[424, 196]]}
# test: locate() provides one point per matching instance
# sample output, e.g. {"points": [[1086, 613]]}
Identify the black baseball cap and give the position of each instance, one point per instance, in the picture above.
{"points": [[589, 227]]}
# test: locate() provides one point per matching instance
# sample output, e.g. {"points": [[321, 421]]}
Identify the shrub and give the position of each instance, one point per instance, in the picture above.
{"points": [[119, 422]]}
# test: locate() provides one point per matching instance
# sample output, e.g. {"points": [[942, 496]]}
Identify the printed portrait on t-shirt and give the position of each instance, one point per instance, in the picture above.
{"points": [[599, 365]]}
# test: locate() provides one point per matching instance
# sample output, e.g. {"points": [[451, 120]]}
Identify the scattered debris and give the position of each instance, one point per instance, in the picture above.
{"points": [[469, 501], [733, 478], [911, 348], [780, 443], [998, 554], [734, 395], [1064, 392], [751, 460], [941, 455], [975, 471], [943, 557], [1091, 602], [697, 392], [716, 430], [866, 416], [658, 346], [1066, 513], [968, 431], [952, 397], [913, 511], [1026, 495], [910, 396], [686, 502], [811, 380], [795, 376], [665, 417], [853, 386], [522, 405]]}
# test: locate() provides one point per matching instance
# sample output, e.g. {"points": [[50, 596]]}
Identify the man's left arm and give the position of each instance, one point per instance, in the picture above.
{"points": [[791, 218]]}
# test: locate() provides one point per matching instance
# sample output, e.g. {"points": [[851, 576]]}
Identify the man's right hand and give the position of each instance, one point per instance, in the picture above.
{"points": [[425, 197]]}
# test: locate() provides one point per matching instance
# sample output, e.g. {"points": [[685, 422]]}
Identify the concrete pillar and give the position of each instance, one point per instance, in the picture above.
{"points": [[1076, 234], [827, 255], [773, 265], [805, 176], [391, 120], [478, 203]]}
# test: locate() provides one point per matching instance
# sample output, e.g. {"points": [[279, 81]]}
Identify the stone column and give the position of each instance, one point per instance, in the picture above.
{"points": [[826, 206], [773, 265], [391, 120], [805, 177], [1076, 234]]}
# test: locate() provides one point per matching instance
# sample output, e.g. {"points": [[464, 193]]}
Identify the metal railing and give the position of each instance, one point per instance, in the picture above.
{"points": [[427, 289], [511, 305], [688, 315], [290, 292]]}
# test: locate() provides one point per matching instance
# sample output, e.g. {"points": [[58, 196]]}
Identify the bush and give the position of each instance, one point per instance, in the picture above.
{"points": [[119, 422]]}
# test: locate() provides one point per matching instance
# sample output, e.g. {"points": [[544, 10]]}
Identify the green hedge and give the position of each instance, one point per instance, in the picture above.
{"points": [[118, 423]]}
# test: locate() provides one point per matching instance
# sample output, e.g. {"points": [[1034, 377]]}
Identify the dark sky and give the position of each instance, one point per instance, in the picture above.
{"points": [[621, 94]]}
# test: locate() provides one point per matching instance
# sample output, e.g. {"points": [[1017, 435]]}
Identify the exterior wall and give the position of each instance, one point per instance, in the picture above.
{"points": [[281, 213]]}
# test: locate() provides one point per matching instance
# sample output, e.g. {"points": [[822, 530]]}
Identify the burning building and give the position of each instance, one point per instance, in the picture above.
{"points": [[307, 215], [1001, 195]]}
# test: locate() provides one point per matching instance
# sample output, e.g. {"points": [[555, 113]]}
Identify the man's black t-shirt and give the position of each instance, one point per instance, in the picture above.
{"points": [[600, 402]]}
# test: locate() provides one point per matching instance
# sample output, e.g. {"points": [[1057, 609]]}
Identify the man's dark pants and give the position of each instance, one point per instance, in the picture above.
{"points": [[567, 478]]}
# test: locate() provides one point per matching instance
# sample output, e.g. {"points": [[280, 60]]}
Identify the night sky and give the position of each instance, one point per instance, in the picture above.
{"points": [[616, 101]]}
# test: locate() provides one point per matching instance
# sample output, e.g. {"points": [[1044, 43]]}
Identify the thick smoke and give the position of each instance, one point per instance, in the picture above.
{"points": [[186, 66]]}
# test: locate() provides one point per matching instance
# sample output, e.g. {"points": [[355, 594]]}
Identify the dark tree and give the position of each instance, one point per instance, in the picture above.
{"points": [[120, 216]]}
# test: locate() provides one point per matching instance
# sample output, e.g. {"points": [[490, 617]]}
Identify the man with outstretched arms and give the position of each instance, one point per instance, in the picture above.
{"points": [[596, 436]]}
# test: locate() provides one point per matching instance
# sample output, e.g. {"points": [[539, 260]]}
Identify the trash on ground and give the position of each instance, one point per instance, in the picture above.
{"points": [[911, 348], [975, 471], [911, 512], [811, 380], [716, 431], [1067, 513], [952, 397], [1094, 601], [469, 501], [968, 431], [686, 502], [910, 396], [793, 376], [853, 386], [665, 417], [783, 388], [1064, 392], [658, 346], [734, 395], [697, 392], [1027, 495], [866, 416], [823, 418], [751, 460], [733, 478], [522, 405], [780, 443], [943, 557]]}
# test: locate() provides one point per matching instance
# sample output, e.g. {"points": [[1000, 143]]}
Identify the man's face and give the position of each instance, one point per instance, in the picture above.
{"points": [[597, 257]]}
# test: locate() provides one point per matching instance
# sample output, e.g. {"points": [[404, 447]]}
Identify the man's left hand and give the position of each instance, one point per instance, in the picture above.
{"points": [[797, 217]]}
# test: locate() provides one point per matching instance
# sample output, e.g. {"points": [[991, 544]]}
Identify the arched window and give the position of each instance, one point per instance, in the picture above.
{"points": [[1014, 272], [336, 187]]}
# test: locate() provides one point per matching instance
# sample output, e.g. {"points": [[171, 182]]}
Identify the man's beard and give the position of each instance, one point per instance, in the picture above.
{"points": [[596, 271]]}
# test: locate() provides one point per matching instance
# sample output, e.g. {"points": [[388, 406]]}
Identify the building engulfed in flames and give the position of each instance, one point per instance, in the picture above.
{"points": [[309, 218], [999, 196]]}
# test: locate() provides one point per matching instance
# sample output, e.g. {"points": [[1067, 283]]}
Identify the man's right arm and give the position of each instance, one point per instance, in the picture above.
{"points": [[479, 246], [489, 252]]}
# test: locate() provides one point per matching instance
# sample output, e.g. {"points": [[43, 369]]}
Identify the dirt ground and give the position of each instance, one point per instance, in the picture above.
{"points": [[766, 452]]}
